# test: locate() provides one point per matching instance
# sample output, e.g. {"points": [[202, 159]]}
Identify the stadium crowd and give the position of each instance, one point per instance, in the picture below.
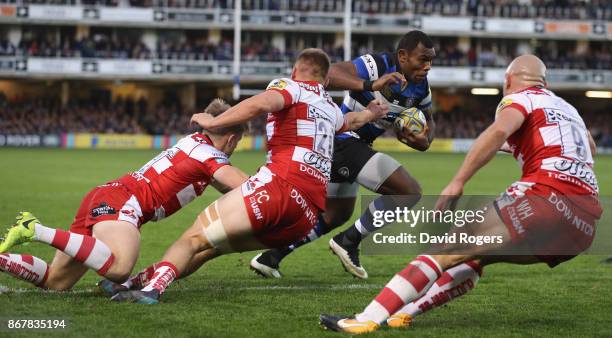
{"points": [[47, 116], [482, 53], [560, 9]]}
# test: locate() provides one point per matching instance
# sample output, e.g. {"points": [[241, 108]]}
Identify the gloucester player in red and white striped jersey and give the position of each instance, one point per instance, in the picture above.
{"points": [[548, 216], [280, 203], [105, 233]]}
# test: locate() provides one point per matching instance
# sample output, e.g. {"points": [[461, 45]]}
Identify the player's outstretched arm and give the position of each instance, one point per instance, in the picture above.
{"points": [[482, 151], [227, 178], [266, 102], [343, 75], [374, 111]]}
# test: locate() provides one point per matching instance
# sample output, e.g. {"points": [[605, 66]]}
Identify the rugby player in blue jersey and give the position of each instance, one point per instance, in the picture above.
{"points": [[401, 79]]}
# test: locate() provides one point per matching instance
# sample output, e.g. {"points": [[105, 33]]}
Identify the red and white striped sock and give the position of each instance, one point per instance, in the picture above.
{"points": [[92, 252], [165, 273], [25, 267], [141, 279], [454, 282], [406, 286]]}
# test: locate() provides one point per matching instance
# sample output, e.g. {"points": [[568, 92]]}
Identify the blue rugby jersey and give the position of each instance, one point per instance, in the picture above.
{"points": [[371, 67]]}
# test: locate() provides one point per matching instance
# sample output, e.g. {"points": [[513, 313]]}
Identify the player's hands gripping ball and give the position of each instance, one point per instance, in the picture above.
{"points": [[409, 121]]}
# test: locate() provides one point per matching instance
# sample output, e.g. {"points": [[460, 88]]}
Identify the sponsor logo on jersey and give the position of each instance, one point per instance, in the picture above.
{"points": [[313, 163], [504, 103], [370, 64], [314, 173], [319, 162], [103, 209], [556, 115], [277, 84], [316, 113], [129, 213], [579, 170], [310, 88]]}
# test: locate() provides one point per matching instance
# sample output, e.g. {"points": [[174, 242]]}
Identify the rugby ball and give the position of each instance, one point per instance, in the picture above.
{"points": [[410, 120]]}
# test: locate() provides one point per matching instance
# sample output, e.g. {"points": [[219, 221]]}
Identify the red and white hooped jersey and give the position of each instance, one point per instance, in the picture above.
{"points": [[175, 177], [301, 137], [552, 145]]}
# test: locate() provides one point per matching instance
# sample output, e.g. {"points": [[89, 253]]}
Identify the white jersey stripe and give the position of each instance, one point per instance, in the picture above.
{"points": [[306, 128], [161, 165]]}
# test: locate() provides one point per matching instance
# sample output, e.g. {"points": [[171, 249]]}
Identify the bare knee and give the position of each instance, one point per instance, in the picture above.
{"points": [[410, 186], [119, 275], [401, 183], [120, 270]]}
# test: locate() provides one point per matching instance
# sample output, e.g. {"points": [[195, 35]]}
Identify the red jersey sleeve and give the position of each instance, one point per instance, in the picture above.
{"points": [[518, 101]]}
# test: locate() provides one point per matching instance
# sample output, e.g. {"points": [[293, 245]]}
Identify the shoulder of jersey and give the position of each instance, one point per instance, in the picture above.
{"points": [[516, 98], [280, 84], [202, 150]]}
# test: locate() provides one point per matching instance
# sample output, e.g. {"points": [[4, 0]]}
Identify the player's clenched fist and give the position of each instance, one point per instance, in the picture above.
{"points": [[378, 109], [202, 119], [388, 79]]}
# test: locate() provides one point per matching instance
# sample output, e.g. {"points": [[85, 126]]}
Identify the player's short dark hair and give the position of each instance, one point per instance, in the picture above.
{"points": [[216, 108], [411, 40], [318, 59]]}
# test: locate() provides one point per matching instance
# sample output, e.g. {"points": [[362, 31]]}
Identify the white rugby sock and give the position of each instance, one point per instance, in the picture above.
{"points": [[88, 250], [25, 267], [454, 282], [405, 287]]}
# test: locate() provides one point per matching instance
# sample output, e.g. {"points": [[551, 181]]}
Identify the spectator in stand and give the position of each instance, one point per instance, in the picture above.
{"points": [[47, 116]]}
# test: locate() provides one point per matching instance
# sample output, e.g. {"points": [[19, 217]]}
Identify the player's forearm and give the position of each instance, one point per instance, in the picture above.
{"points": [[227, 178], [343, 76], [483, 150], [355, 120], [240, 113]]}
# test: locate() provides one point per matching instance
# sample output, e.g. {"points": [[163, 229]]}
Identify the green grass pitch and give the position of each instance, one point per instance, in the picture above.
{"points": [[224, 298]]}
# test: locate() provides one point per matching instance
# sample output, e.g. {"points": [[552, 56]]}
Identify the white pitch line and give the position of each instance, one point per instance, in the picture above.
{"points": [[4, 289]]}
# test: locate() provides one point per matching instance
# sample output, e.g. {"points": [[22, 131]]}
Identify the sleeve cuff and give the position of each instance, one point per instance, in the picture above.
{"points": [[518, 107], [343, 128], [286, 96]]}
